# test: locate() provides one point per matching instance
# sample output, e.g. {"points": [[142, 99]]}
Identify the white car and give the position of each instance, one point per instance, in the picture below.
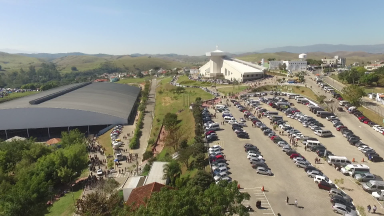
{"points": [[330, 118], [318, 178], [377, 128], [211, 151], [242, 120], [219, 165], [302, 164], [215, 147], [264, 171], [233, 122], [296, 159], [364, 148], [313, 173], [286, 148], [228, 118], [251, 155], [99, 172]]}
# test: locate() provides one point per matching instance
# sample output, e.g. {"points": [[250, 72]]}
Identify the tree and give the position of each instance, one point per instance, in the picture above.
{"points": [[200, 161], [202, 179], [271, 59], [171, 171], [219, 199], [284, 66], [170, 121], [72, 137], [139, 74], [185, 155], [321, 98], [100, 204], [353, 94], [73, 68]]}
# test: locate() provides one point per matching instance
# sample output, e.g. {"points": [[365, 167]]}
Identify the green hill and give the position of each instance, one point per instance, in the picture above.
{"points": [[351, 56], [10, 62]]}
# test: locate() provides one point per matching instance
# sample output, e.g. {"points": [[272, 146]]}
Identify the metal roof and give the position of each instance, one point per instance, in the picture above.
{"points": [[98, 103]]}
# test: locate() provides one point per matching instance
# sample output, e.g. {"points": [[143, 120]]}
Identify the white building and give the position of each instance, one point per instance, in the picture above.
{"points": [[372, 67], [221, 66], [335, 61], [293, 66]]}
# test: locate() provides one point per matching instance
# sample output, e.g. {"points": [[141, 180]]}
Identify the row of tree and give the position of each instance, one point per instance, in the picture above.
{"points": [[29, 170], [358, 75]]}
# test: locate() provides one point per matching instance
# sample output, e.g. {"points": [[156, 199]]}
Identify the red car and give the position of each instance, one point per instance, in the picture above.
{"points": [[325, 185], [209, 132], [273, 137], [339, 98], [338, 128], [294, 155], [361, 117], [367, 121]]}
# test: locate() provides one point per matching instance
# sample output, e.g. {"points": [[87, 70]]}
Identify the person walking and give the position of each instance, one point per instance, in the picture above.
{"points": [[296, 202], [369, 208], [287, 200], [374, 209]]}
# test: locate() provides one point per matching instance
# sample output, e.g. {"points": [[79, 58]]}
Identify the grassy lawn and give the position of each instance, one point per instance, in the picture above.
{"points": [[378, 119], [232, 89], [134, 80], [374, 90], [105, 141], [64, 206], [166, 101], [184, 80], [16, 95]]}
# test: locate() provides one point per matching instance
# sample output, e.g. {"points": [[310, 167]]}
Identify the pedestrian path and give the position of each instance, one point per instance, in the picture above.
{"points": [[258, 194]]}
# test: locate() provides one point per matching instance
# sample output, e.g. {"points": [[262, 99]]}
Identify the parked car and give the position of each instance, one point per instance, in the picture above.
{"points": [[364, 177], [325, 185], [264, 171]]}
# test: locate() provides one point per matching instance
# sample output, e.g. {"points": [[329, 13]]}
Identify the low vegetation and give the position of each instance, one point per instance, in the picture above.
{"points": [[15, 95], [28, 170], [234, 89]]}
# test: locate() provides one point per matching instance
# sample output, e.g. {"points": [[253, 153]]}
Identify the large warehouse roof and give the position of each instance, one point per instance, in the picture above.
{"points": [[72, 105]]}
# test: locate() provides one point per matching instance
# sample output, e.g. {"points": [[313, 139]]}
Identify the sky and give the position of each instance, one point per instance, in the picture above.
{"points": [[184, 27]]}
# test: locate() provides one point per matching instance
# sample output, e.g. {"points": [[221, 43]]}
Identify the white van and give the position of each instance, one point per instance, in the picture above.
{"points": [[311, 143], [214, 126], [298, 97], [220, 106], [323, 133], [342, 103], [338, 161], [353, 169], [373, 186]]}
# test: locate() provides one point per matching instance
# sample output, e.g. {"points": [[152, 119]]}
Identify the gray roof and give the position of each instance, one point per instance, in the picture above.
{"points": [[98, 103], [156, 173]]}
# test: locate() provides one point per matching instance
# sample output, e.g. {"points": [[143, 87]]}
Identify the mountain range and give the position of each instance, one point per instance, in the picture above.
{"points": [[327, 48]]}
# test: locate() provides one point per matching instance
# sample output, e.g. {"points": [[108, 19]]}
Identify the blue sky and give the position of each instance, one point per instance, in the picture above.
{"points": [[183, 26]]}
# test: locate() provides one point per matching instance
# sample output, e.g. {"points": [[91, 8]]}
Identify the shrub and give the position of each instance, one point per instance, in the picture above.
{"points": [[147, 155], [151, 141]]}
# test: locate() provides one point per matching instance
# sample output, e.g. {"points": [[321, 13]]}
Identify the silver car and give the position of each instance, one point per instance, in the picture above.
{"points": [[264, 171], [302, 164], [313, 173], [365, 177]]}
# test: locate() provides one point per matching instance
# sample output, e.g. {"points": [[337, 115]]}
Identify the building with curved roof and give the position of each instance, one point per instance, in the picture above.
{"points": [[87, 106]]}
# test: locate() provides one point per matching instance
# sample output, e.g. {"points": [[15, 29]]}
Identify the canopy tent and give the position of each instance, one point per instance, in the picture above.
{"points": [[53, 141]]}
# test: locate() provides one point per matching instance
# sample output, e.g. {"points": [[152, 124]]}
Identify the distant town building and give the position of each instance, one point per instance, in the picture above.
{"points": [[375, 66], [336, 61], [293, 66], [220, 66]]}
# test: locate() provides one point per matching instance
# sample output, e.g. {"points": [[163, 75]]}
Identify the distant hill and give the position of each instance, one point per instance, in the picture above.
{"points": [[10, 62], [51, 56], [378, 48], [351, 56]]}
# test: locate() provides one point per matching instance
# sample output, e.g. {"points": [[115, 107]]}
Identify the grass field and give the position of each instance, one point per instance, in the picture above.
{"points": [[126, 62], [232, 89], [184, 80], [374, 90], [16, 95], [134, 80], [105, 141], [64, 206]]}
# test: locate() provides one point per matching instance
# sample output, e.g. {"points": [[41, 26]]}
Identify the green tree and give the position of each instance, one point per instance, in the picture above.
{"points": [[171, 171], [99, 204], [321, 98], [73, 137], [73, 68], [353, 94], [170, 121], [185, 156], [202, 179], [200, 161], [219, 199]]}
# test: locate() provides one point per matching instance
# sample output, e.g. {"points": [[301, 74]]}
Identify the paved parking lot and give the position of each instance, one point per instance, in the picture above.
{"points": [[288, 180]]}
